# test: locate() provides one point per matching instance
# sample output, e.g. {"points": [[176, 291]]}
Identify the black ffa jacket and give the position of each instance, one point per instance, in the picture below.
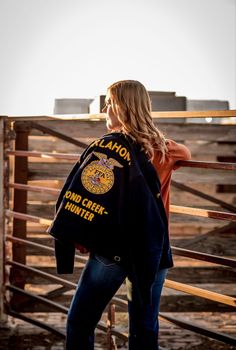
{"points": [[111, 204]]}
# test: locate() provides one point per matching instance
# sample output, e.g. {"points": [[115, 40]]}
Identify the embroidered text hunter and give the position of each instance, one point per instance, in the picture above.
{"points": [[85, 204]]}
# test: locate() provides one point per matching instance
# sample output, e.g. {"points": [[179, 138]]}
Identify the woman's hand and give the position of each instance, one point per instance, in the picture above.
{"points": [[81, 249]]}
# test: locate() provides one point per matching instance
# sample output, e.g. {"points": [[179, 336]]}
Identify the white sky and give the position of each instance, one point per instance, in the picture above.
{"points": [[76, 48]]}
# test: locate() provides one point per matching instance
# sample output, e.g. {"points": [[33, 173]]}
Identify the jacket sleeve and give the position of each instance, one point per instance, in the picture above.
{"points": [[65, 250]]}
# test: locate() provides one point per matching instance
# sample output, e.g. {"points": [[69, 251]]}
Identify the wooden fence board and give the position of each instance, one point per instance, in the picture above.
{"points": [[190, 274], [168, 304], [188, 175], [48, 143], [177, 197], [180, 131]]}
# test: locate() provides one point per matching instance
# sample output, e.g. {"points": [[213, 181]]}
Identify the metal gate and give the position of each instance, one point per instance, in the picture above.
{"points": [[20, 240]]}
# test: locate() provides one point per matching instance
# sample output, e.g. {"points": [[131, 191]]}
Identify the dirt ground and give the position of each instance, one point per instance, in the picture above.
{"points": [[19, 335]]}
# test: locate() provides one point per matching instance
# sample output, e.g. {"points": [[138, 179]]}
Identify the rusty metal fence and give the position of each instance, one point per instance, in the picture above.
{"points": [[14, 187]]}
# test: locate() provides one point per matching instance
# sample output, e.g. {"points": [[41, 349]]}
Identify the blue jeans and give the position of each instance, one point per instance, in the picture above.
{"points": [[143, 322], [99, 281]]}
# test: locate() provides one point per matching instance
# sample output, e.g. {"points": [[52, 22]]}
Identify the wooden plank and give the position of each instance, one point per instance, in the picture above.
{"points": [[97, 116], [45, 171], [206, 165], [44, 198], [203, 176], [80, 258], [179, 228], [204, 187], [201, 222], [44, 155], [182, 197], [183, 261], [214, 241], [53, 183], [224, 299], [58, 134], [176, 303], [42, 189], [223, 245], [25, 217], [219, 215], [50, 143], [75, 128], [53, 144], [177, 196], [211, 148], [195, 114], [216, 259], [170, 301], [51, 160], [199, 329], [66, 117], [203, 274], [199, 132], [190, 274], [56, 171], [178, 132], [47, 211], [53, 156]]}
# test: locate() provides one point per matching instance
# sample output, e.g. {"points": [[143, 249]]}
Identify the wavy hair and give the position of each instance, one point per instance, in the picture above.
{"points": [[131, 104]]}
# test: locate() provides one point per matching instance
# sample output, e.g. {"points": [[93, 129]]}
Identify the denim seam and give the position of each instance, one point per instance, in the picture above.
{"points": [[97, 258]]}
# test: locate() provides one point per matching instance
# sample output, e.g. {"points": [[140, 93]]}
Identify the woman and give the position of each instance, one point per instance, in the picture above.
{"points": [[113, 205]]}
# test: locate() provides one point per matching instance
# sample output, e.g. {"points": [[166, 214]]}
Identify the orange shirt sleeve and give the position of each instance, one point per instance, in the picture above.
{"points": [[177, 151]]}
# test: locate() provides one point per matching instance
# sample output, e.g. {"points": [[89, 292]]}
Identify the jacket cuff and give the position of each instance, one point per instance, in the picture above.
{"points": [[64, 254]]}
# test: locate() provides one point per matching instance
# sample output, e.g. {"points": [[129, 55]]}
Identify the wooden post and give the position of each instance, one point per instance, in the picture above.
{"points": [[3, 316], [111, 344], [19, 230]]}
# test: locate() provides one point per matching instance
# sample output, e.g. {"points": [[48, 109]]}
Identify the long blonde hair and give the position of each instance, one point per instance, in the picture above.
{"points": [[131, 104]]}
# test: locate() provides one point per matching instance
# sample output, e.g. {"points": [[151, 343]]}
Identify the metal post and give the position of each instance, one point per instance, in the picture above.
{"points": [[111, 344], [3, 316], [19, 229]]}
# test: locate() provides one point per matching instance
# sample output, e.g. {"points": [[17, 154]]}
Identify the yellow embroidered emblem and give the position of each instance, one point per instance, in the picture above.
{"points": [[98, 177]]}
